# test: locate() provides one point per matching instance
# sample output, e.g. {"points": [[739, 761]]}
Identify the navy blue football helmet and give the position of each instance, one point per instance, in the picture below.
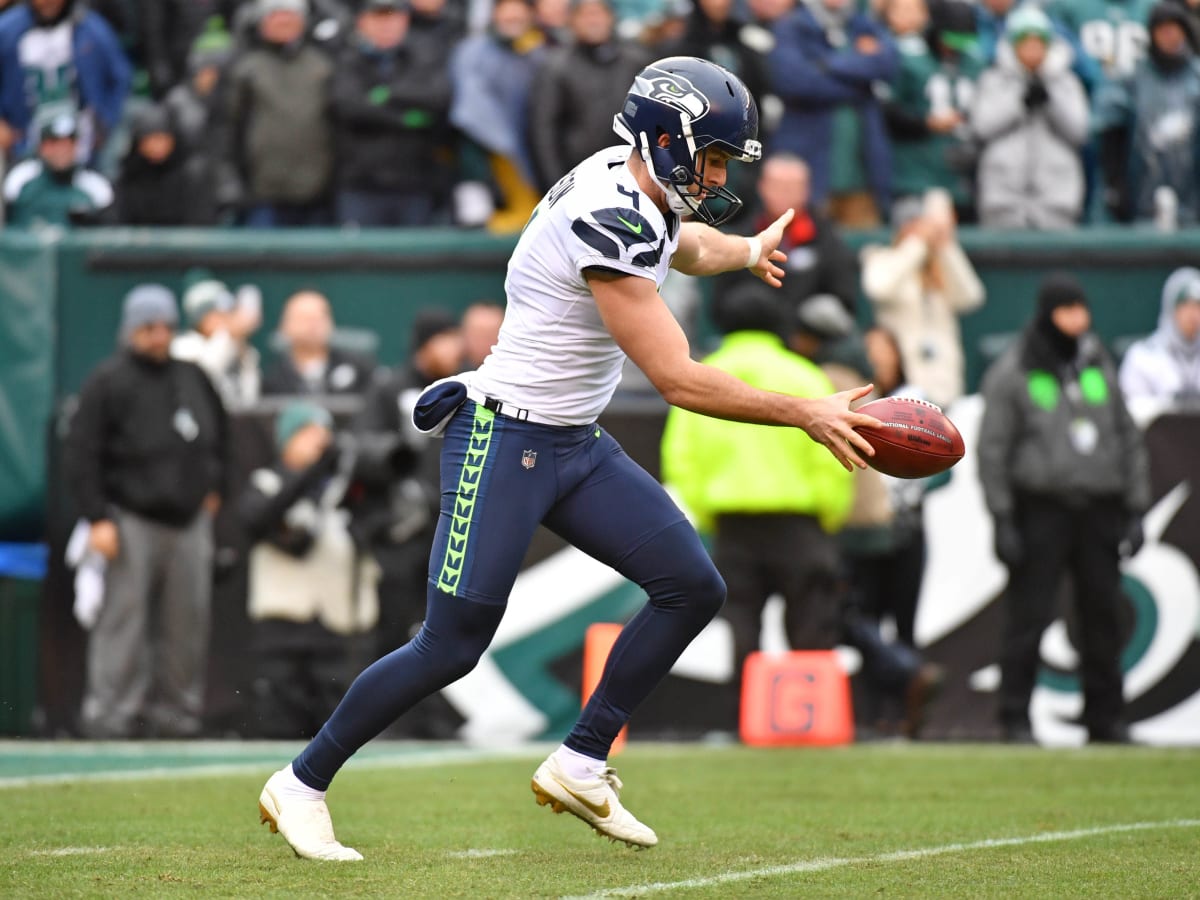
{"points": [[698, 104]]}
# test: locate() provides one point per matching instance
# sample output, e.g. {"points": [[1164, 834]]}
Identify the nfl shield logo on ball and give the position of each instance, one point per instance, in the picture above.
{"points": [[529, 458]]}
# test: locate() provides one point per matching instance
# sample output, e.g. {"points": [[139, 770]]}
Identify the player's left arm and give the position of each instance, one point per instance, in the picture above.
{"points": [[705, 251]]}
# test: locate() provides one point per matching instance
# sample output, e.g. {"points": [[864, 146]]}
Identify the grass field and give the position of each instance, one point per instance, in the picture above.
{"points": [[915, 820]]}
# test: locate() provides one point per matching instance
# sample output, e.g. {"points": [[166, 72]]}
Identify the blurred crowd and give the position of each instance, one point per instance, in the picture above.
{"points": [[415, 113]]}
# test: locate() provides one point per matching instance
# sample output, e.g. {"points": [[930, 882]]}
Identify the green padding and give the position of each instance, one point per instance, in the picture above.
{"points": [[27, 304], [18, 654]]}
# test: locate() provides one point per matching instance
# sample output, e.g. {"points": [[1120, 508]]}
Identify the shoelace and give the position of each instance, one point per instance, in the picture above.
{"points": [[610, 775]]}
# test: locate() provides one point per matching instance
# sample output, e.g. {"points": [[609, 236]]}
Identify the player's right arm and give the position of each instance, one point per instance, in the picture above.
{"points": [[644, 328]]}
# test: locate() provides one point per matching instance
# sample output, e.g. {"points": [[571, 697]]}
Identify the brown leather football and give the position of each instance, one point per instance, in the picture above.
{"points": [[913, 440]]}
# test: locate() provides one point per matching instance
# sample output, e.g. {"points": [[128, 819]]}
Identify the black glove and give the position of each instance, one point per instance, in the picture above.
{"points": [[1036, 94], [1133, 538], [1009, 545]]}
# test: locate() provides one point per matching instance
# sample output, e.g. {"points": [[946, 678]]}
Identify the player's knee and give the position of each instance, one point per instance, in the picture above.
{"points": [[456, 634], [704, 589]]}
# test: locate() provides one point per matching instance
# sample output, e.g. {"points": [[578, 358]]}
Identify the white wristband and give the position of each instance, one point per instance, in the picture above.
{"points": [[755, 251]]}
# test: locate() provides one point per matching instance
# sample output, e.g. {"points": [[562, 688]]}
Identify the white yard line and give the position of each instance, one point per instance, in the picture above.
{"points": [[822, 865], [69, 851]]}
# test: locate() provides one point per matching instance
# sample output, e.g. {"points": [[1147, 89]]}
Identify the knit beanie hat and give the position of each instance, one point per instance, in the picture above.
{"points": [[148, 304], [1028, 20], [296, 416], [202, 294], [269, 6], [1059, 289]]}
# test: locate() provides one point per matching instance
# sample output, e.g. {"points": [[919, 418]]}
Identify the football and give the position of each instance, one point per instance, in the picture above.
{"points": [[913, 440]]}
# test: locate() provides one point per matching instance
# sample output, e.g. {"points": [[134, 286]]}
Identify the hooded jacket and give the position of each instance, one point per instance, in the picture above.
{"points": [[1149, 131], [1165, 365], [1030, 174]]}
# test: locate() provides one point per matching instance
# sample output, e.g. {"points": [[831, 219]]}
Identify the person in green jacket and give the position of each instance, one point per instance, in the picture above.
{"points": [[770, 497], [52, 188]]}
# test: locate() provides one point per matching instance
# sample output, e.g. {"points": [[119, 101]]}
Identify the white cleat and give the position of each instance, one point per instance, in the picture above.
{"points": [[594, 800], [304, 824]]}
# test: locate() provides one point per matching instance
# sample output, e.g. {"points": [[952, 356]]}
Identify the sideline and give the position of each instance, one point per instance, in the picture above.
{"points": [[74, 762], [823, 865]]}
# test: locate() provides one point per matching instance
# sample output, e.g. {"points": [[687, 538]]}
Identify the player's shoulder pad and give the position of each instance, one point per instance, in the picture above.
{"points": [[622, 233]]}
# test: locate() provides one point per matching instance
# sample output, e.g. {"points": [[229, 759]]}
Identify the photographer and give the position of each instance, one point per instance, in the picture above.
{"points": [[312, 579]]}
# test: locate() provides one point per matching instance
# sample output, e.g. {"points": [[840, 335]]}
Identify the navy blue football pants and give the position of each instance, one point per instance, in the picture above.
{"points": [[501, 478]]}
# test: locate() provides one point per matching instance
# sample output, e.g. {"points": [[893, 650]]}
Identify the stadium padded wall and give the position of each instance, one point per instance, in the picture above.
{"points": [[27, 323], [60, 300]]}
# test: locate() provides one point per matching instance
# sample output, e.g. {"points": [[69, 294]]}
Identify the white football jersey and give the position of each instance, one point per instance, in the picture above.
{"points": [[554, 356]]}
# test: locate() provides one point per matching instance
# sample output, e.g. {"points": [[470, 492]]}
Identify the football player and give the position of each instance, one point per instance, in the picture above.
{"points": [[522, 446]]}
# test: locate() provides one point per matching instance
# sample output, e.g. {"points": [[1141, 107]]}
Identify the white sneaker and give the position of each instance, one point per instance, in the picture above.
{"points": [[304, 824], [594, 800]]}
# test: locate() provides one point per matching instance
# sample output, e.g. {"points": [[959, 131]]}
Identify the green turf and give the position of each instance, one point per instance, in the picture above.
{"points": [[808, 822]]}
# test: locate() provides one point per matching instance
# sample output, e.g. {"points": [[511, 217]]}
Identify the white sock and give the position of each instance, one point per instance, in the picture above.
{"points": [[576, 764], [292, 787]]}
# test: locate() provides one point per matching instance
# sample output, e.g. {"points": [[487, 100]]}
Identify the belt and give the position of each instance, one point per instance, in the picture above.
{"points": [[506, 409]]}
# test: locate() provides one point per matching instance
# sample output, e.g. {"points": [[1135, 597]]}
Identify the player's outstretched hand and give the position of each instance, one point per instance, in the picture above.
{"points": [[771, 236], [832, 423]]}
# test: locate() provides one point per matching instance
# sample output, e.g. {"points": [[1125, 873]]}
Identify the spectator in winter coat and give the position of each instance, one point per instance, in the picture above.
{"points": [[45, 72], [1066, 478], [929, 102], [52, 188], [576, 90], [159, 182], [391, 104], [310, 364], [218, 338], [493, 75], [148, 458], [1031, 114], [1166, 365], [919, 286], [825, 66], [192, 101], [278, 142], [1149, 128]]}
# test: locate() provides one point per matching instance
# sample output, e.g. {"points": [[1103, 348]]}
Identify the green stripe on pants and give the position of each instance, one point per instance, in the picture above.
{"points": [[464, 504]]}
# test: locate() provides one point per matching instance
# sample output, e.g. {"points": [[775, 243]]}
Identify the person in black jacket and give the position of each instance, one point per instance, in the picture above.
{"points": [[309, 364], [391, 107], [148, 459], [1066, 478], [160, 183], [312, 589]]}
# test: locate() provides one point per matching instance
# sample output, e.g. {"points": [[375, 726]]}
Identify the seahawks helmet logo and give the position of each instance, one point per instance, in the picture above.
{"points": [[673, 91]]}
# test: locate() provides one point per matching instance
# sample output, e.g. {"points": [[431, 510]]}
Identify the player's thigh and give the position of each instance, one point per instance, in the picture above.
{"points": [[615, 510], [490, 504]]}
